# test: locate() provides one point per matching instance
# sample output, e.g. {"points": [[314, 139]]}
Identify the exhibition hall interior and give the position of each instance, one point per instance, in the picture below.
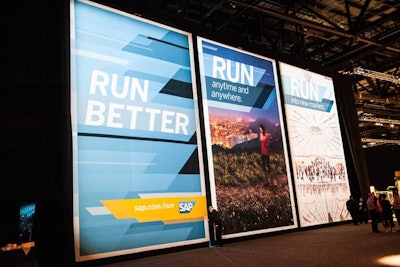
{"points": [[124, 120]]}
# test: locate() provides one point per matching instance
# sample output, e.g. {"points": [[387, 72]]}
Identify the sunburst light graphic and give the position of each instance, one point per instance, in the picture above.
{"points": [[320, 174], [314, 133], [323, 202]]}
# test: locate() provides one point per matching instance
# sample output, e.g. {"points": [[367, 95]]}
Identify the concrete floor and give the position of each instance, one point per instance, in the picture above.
{"points": [[334, 245]]}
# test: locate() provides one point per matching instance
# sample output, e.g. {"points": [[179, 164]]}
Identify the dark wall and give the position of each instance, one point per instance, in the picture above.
{"points": [[35, 122], [355, 159], [10, 220], [382, 162]]}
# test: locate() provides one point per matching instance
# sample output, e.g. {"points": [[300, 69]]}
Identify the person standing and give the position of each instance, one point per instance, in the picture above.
{"points": [[215, 227], [372, 209], [387, 214], [379, 210], [396, 206], [352, 207], [264, 145], [362, 211], [25, 235]]}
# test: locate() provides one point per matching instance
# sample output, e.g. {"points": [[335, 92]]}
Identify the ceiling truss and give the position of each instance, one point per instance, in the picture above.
{"points": [[357, 37]]}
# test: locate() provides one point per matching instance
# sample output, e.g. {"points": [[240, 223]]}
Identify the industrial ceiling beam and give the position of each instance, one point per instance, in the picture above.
{"points": [[315, 26]]}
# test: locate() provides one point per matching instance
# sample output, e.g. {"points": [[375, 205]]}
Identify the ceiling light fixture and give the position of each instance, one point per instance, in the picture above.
{"points": [[377, 75], [373, 141], [378, 120]]}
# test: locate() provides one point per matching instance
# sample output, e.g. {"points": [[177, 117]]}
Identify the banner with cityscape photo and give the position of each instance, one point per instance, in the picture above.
{"points": [[240, 93]]}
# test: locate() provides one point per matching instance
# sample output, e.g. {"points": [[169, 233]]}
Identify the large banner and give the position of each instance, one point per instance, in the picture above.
{"points": [[249, 171], [138, 174], [320, 175]]}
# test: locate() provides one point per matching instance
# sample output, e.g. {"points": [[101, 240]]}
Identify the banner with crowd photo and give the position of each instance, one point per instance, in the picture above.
{"points": [[240, 93], [320, 176], [138, 178]]}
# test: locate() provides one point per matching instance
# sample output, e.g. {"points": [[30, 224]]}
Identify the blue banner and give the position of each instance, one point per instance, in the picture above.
{"points": [[138, 174]]}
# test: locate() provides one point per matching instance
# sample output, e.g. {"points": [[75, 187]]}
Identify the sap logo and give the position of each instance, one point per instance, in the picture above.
{"points": [[186, 207]]}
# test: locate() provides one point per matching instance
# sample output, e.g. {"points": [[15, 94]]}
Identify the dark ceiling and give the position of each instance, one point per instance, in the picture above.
{"points": [[360, 38]]}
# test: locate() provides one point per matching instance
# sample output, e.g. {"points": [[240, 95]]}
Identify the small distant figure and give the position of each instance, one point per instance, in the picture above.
{"points": [[264, 145], [372, 209], [362, 211], [396, 206], [352, 207], [387, 214], [25, 235], [215, 227], [380, 210]]}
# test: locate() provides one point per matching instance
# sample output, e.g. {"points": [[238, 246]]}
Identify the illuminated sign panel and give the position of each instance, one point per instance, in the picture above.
{"points": [[316, 147], [137, 162], [240, 93]]}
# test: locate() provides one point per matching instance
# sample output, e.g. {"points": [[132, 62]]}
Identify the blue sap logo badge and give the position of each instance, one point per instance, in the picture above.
{"points": [[186, 207]]}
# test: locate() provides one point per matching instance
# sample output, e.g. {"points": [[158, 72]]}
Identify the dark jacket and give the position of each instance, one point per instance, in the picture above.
{"points": [[215, 218]]}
